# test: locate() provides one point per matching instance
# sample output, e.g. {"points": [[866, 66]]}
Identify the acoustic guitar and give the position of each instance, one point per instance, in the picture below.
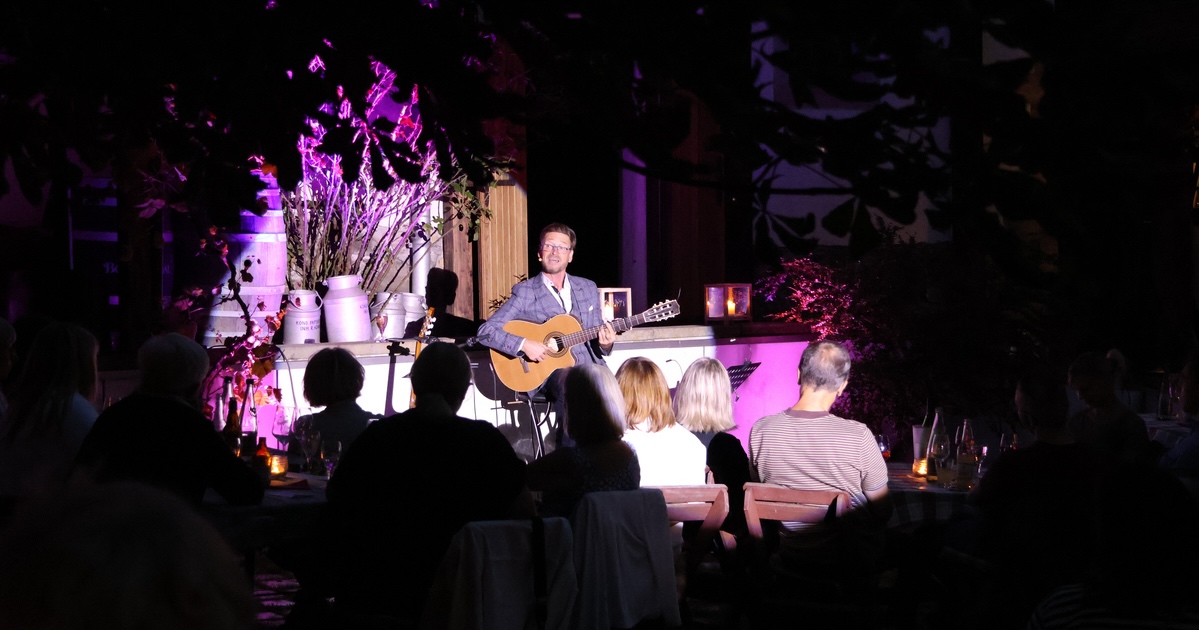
{"points": [[426, 327], [559, 334]]}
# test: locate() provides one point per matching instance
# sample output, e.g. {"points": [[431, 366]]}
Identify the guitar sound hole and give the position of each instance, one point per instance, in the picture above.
{"points": [[555, 345]]}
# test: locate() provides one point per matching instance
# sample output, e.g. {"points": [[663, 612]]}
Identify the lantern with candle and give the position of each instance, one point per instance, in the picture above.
{"points": [[726, 302], [279, 466]]}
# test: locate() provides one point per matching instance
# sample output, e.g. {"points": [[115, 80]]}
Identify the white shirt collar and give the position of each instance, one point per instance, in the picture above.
{"points": [[563, 294]]}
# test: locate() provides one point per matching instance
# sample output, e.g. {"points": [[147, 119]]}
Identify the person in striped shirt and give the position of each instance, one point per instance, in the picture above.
{"points": [[808, 448]]}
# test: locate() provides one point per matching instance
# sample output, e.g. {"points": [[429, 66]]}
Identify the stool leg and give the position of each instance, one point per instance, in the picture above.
{"points": [[538, 442]]}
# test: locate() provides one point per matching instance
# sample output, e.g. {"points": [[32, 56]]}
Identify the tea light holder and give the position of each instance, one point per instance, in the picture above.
{"points": [[616, 302], [278, 466], [727, 302], [920, 467]]}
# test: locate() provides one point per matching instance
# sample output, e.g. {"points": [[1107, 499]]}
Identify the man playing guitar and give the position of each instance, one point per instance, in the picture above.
{"points": [[550, 293]]}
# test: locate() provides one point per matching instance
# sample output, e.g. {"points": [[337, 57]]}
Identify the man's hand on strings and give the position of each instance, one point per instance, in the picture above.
{"points": [[607, 336], [534, 350]]}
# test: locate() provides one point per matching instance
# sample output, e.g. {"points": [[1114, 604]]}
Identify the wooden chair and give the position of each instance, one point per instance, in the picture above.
{"points": [[708, 504], [780, 593]]}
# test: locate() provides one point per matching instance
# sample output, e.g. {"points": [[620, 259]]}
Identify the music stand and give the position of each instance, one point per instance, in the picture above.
{"points": [[738, 374]]}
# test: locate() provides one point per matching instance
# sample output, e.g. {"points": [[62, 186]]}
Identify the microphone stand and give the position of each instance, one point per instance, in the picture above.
{"points": [[394, 349]]}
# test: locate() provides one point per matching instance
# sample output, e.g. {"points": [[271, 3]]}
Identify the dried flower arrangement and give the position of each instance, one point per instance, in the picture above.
{"points": [[339, 222]]}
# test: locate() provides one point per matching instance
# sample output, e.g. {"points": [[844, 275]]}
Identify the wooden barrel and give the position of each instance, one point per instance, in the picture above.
{"points": [[225, 319], [261, 241]]}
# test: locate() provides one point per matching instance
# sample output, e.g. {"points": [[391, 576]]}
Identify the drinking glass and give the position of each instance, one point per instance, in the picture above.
{"points": [[310, 442], [284, 419], [939, 449], [381, 324], [884, 445], [331, 453]]}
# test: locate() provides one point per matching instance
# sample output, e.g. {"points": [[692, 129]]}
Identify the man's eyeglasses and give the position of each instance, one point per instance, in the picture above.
{"points": [[547, 248]]}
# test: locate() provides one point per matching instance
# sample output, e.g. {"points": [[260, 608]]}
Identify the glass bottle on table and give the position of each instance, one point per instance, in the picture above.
{"points": [[249, 420], [967, 459], [231, 432], [261, 464], [220, 410]]}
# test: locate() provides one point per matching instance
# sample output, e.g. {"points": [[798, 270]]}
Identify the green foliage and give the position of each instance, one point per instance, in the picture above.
{"points": [[494, 305], [924, 322]]}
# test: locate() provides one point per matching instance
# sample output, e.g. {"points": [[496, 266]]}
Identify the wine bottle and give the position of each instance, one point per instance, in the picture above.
{"points": [[262, 462], [231, 432], [218, 412], [967, 460], [249, 420]]}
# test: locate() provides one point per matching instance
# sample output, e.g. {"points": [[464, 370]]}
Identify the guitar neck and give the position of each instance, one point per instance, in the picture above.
{"points": [[619, 324]]}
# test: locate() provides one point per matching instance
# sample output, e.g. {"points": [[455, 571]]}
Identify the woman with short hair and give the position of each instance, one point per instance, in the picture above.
{"points": [[599, 461], [703, 403], [333, 380]]}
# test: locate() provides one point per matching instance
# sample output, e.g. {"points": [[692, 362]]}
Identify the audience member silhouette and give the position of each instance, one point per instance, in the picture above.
{"points": [[333, 380], [123, 555], [1183, 458], [599, 460], [158, 435], [51, 411], [409, 483], [703, 403], [1037, 504], [8, 359], [1142, 574], [1107, 426], [669, 455]]}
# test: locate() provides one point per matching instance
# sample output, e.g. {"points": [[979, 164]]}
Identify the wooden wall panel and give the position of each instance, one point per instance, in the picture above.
{"points": [[503, 243]]}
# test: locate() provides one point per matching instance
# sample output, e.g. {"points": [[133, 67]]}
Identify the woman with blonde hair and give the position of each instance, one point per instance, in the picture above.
{"points": [[599, 461], [703, 403], [669, 454], [51, 411]]}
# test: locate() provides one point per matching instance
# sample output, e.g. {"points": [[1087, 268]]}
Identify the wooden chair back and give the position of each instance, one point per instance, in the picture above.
{"points": [[767, 501], [708, 504]]}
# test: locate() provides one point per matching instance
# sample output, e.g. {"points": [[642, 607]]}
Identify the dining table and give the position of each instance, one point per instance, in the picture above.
{"points": [[291, 510], [918, 501], [1166, 431]]}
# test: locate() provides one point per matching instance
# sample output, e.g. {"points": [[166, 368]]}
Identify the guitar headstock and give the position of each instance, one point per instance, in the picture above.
{"points": [[662, 311], [426, 327]]}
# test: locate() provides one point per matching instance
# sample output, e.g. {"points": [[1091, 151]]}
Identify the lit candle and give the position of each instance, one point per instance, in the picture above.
{"points": [[278, 466], [920, 467], [732, 307]]}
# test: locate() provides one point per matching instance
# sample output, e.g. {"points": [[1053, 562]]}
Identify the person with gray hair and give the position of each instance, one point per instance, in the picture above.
{"points": [[808, 448], [158, 435], [600, 460]]}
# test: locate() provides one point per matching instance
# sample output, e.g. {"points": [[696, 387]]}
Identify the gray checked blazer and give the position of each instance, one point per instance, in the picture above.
{"points": [[533, 301]]}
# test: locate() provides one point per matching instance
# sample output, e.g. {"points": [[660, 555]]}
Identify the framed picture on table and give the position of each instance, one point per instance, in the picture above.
{"points": [[617, 302]]}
